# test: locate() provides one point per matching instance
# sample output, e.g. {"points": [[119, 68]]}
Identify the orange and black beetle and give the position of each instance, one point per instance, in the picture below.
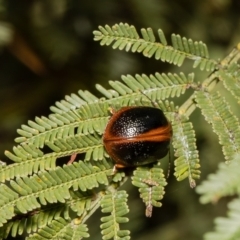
{"points": [[137, 135]]}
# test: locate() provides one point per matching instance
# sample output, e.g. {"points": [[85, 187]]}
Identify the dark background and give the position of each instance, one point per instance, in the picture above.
{"points": [[47, 51]]}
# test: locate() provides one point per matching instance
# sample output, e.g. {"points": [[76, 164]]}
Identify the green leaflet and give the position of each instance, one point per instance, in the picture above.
{"points": [[61, 229], [227, 228], [28, 193], [150, 183], [184, 143], [88, 118], [27, 167], [123, 36], [68, 145], [231, 78], [32, 222], [115, 205], [158, 86], [225, 182], [217, 112], [39, 220]]}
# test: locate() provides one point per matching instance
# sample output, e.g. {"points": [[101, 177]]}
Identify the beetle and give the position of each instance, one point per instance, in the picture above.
{"points": [[137, 135]]}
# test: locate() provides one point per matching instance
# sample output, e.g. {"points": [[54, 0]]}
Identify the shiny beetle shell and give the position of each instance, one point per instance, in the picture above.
{"points": [[136, 136]]}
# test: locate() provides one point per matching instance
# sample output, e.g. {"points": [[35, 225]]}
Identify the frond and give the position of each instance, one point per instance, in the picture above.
{"points": [[217, 112], [157, 86], [115, 205], [33, 220], [61, 229], [230, 78], [227, 228], [184, 144], [150, 183], [81, 203], [67, 145], [26, 194], [27, 167], [7, 195], [225, 182], [63, 125], [123, 36], [79, 231]]}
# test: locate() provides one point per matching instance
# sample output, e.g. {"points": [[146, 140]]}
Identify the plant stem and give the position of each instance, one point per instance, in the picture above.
{"points": [[210, 82]]}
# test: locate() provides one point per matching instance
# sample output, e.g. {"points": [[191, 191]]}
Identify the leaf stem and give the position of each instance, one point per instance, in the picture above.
{"points": [[210, 82]]}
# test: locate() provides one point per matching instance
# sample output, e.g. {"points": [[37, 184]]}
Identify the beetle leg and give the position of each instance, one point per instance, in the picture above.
{"points": [[112, 110], [118, 166], [72, 159]]}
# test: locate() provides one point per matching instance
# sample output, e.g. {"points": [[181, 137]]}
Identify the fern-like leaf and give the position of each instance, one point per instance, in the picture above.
{"points": [[184, 143], [123, 36], [224, 183], [28, 167], [61, 125], [157, 86], [151, 183], [65, 146], [217, 112], [33, 220], [187, 45], [114, 204], [61, 229], [227, 228], [26, 194], [230, 78], [7, 195]]}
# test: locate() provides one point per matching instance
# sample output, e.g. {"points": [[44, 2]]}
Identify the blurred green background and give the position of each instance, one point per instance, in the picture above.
{"points": [[47, 51]]}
